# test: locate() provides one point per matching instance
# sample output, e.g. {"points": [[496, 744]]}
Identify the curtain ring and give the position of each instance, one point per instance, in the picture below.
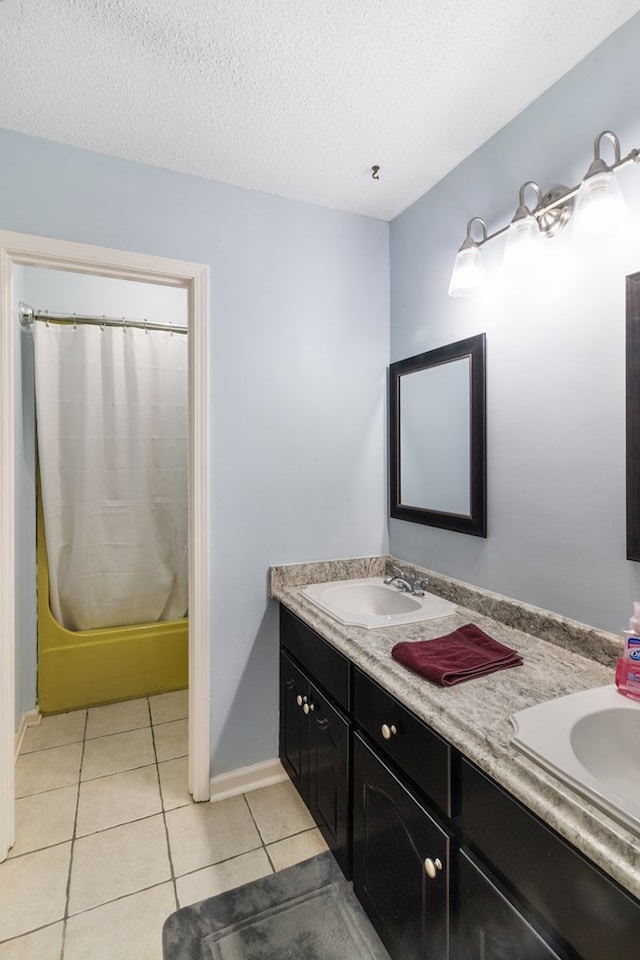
{"points": [[145, 326], [124, 325], [46, 317], [75, 324], [104, 323]]}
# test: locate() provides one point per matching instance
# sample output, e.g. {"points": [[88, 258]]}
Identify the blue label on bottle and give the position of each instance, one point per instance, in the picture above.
{"points": [[634, 655]]}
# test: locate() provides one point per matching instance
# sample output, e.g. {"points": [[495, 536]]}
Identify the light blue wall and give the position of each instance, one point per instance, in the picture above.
{"points": [[60, 291], [299, 347], [555, 354]]}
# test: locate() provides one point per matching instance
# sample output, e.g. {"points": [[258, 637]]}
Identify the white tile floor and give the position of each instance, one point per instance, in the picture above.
{"points": [[109, 842]]}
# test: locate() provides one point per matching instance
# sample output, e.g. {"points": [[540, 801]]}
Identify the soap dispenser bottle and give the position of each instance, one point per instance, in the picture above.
{"points": [[628, 666]]}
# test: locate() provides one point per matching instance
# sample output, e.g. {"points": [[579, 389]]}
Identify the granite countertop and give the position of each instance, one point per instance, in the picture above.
{"points": [[474, 716]]}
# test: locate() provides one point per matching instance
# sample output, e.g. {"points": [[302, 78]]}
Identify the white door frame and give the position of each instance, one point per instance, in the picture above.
{"points": [[25, 249]]}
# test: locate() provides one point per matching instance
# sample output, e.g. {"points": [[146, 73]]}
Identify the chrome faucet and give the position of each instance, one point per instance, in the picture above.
{"points": [[404, 581]]}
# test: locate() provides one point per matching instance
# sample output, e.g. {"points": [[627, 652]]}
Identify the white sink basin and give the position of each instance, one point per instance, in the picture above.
{"points": [[590, 740], [372, 603]]}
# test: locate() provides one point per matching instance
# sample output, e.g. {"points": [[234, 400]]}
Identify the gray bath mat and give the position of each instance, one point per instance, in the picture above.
{"points": [[307, 912]]}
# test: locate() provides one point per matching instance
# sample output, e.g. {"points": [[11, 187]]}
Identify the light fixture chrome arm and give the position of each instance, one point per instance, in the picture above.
{"points": [[600, 208], [598, 165], [552, 200], [523, 210], [596, 202], [468, 271]]}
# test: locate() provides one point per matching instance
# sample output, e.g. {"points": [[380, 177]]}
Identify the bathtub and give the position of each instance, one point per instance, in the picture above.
{"points": [[91, 667]]}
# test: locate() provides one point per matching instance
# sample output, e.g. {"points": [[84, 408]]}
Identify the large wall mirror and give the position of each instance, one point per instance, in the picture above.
{"points": [[437, 437], [633, 416]]}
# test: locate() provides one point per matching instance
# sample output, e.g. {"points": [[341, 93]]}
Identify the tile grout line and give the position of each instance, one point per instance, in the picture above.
{"points": [[263, 844], [65, 917], [262, 841], [163, 811], [27, 933], [125, 823], [82, 743], [75, 836]]}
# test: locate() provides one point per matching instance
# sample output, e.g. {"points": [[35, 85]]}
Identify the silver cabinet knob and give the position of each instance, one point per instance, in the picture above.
{"points": [[300, 700], [388, 731], [308, 708], [432, 867]]}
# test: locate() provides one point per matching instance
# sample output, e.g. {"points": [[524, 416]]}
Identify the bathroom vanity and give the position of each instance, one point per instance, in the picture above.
{"points": [[458, 846]]}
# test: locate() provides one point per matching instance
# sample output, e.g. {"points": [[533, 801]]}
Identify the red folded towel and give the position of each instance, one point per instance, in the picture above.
{"points": [[466, 653]]}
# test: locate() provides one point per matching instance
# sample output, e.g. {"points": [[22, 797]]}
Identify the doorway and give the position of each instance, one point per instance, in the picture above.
{"points": [[112, 419], [24, 250]]}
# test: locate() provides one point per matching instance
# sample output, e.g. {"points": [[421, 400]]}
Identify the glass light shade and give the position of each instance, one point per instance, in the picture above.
{"points": [[523, 252], [468, 271], [600, 209]]}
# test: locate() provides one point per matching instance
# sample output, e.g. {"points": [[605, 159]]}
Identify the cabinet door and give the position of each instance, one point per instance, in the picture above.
{"points": [[400, 862], [489, 926], [294, 744], [589, 912], [329, 775]]}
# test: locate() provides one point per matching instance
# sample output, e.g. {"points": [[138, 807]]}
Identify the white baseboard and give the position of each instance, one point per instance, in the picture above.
{"points": [[246, 779], [30, 718]]}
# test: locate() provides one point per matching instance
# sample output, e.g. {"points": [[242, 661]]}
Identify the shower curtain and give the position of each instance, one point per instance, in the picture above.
{"points": [[112, 420]]}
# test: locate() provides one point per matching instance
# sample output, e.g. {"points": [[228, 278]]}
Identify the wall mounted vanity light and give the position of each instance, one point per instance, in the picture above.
{"points": [[523, 251], [596, 205], [468, 271]]}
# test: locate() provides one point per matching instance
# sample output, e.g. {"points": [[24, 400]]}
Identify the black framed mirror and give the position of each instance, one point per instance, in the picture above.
{"points": [[437, 437], [633, 415]]}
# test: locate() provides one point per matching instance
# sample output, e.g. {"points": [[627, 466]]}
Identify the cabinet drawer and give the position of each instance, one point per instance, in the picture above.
{"points": [[325, 664], [588, 910], [423, 755]]}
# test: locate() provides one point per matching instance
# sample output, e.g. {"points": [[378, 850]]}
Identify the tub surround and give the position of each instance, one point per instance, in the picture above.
{"points": [[86, 668], [560, 657]]}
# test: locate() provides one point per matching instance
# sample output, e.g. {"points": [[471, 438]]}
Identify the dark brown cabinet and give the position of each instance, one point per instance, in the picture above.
{"points": [[328, 792], [294, 729], [576, 902], [489, 927], [315, 752], [446, 863], [417, 750], [400, 861]]}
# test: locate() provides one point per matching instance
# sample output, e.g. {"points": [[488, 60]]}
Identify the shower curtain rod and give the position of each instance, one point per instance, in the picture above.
{"points": [[28, 316]]}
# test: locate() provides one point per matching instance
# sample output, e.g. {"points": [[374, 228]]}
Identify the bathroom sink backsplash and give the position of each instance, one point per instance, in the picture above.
{"points": [[324, 571], [578, 637]]}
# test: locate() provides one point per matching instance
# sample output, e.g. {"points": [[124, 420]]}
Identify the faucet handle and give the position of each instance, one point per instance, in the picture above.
{"points": [[419, 585], [407, 581]]}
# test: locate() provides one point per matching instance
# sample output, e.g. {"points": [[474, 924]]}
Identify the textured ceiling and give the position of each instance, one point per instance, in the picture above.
{"points": [[295, 97]]}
